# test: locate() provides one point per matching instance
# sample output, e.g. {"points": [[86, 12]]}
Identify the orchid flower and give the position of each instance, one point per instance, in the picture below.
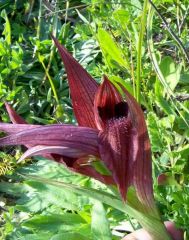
{"points": [[111, 130]]}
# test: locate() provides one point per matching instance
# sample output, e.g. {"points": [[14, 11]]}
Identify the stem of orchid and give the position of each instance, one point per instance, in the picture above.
{"points": [[147, 216], [139, 49], [38, 26], [49, 78], [151, 223], [54, 30]]}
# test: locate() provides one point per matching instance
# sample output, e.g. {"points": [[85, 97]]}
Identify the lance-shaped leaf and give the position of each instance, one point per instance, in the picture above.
{"points": [[82, 87]]}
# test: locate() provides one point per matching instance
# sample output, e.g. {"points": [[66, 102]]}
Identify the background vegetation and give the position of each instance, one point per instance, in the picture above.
{"points": [[132, 41]]}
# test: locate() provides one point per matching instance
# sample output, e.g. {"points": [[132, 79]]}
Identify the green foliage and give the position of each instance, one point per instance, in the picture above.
{"points": [[170, 72], [46, 210], [100, 227], [110, 50]]}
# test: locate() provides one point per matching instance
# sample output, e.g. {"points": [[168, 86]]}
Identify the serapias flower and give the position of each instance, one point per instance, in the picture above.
{"points": [[111, 130]]}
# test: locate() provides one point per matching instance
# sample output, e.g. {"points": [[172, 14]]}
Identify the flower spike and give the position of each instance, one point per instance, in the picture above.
{"points": [[112, 130], [121, 140]]}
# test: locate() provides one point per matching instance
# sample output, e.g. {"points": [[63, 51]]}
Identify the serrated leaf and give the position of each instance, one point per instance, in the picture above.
{"points": [[133, 207], [155, 133]]}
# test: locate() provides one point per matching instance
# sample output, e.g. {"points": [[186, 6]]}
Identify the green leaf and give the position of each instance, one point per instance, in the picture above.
{"points": [[39, 236], [69, 236], [100, 226], [7, 28], [53, 222], [170, 72], [184, 78], [155, 132], [126, 84], [161, 100], [122, 16], [112, 53], [41, 195], [2, 48], [82, 17], [133, 207]]}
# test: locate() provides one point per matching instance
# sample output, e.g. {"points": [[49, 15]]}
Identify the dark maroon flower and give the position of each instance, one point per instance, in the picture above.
{"points": [[111, 130]]}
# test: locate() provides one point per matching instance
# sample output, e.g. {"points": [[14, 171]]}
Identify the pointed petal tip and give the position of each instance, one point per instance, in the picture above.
{"points": [[82, 87], [106, 79], [55, 40], [14, 117]]}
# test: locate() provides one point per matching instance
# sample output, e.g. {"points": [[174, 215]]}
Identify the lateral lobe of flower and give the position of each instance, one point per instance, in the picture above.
{"points": [[81, 138], [82, 166], [15, 128], [60, 150], [82, 88]]}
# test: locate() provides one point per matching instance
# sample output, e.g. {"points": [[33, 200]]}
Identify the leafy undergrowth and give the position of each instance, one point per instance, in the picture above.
{"points": [[105, 37], [42, 211]]}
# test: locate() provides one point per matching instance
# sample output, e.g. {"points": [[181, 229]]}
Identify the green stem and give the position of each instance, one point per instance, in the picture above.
{"points": [[54, 30], [49, 78], [38, 27], [139, 49]]}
